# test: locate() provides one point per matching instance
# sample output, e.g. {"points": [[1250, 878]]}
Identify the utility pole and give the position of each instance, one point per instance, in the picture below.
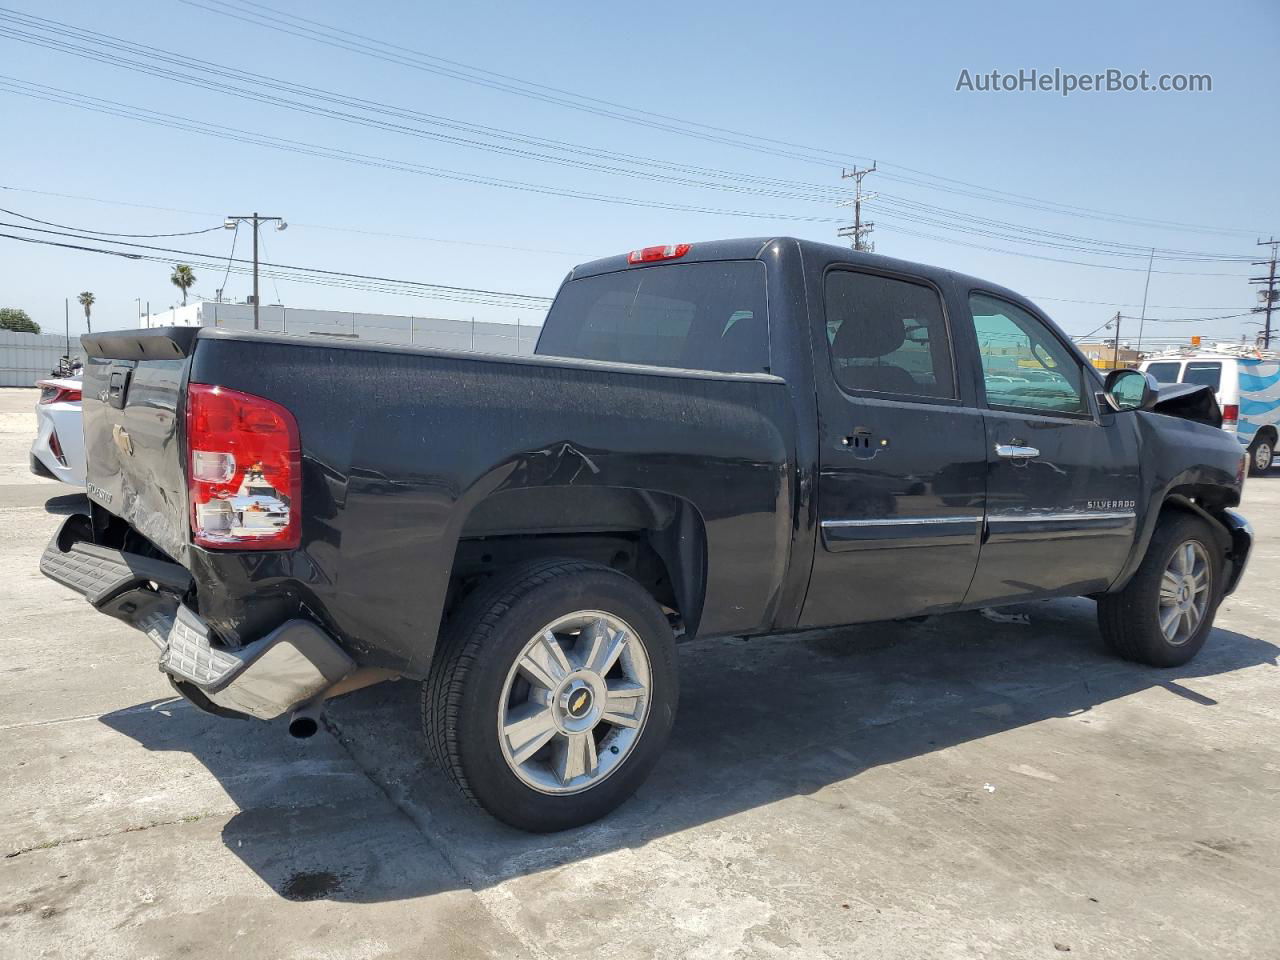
{"points": [[1268, 295], [1115, 357], [66, 314], [1142, 319], [859, 232], [255, 219]]}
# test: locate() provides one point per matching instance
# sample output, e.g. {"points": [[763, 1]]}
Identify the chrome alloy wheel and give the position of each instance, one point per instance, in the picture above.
{"points": [[574, 703], [1184, 592]]}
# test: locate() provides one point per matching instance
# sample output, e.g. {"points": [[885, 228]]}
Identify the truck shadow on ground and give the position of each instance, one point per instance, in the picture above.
{"points": [[760, 721]]}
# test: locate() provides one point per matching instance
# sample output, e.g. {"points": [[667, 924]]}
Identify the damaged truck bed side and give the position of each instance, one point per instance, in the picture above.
{"points": [[740, 437]]}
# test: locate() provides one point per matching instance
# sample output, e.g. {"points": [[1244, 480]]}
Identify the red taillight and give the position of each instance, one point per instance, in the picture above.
{"points": [[244, 471], [1231, 413], [650, 254], [52, 393]]}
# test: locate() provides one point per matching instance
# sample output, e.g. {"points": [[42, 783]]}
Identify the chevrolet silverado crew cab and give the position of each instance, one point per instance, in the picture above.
{"points": [[740, 437]]}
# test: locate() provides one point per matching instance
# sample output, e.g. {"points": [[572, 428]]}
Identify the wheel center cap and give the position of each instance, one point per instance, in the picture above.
{"points": [[576, 701]]}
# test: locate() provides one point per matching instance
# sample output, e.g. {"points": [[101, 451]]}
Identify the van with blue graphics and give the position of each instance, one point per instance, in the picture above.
{"points": [[1248, 391]]}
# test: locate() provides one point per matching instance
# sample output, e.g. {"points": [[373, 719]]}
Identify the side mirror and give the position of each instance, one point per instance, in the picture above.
{"points": [[1130, 390]]}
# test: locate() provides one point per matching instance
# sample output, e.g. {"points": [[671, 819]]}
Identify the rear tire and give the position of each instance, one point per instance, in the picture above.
{"points": [[553, 693], [1262, 454], [1154, 619]]}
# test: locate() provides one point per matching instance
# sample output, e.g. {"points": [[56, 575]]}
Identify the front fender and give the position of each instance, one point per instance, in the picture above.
{"points": [[1184, 465]]}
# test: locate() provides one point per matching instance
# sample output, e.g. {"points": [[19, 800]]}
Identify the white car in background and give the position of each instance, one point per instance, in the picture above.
{"points": [[58, 451], [1248, 391]]}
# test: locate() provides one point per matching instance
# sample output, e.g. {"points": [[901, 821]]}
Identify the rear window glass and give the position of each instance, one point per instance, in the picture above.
{"points": [[1164, 372], [702, 316], [1209, 374]]}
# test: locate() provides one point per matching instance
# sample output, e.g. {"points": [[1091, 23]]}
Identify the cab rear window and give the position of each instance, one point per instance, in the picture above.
{"points": [[700, 316]]}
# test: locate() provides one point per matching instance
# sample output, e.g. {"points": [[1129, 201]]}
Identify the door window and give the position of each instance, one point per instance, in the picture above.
{"points": [[1025, 367], [887, 336], [1166, 372]]}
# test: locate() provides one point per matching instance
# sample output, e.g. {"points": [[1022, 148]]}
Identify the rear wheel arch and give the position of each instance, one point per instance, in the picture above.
{"points": [[656, 538]]}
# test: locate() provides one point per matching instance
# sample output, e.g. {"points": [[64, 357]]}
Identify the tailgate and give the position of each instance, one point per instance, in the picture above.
{"points": [[134, 384]]}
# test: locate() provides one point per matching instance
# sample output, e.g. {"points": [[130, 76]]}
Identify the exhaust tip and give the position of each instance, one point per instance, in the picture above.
{"points": [[303, 727]]}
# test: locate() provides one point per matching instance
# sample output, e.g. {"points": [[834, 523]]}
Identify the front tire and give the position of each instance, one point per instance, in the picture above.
{"points": [[1164, 614], [553, 694]]}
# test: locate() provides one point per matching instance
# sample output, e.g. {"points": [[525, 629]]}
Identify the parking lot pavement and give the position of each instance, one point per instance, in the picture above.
{"points": [[951, 788]]}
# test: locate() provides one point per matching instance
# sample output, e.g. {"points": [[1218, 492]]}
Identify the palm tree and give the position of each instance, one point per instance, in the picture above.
{"points": [[86, 301], [183, 279]]}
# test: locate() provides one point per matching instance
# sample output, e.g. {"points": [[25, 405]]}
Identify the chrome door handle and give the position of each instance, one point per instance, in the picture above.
{"points": [[1015, 451]]}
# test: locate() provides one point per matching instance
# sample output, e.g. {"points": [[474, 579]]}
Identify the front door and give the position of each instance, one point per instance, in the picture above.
{"points": [[1062, 475], [901, 453]]}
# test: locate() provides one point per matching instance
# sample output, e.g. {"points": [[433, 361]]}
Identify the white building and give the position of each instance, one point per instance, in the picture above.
{"points": [[517, 338]]}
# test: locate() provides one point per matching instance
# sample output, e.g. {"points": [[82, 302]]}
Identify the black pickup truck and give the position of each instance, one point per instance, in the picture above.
{"points": [[740, 437]]}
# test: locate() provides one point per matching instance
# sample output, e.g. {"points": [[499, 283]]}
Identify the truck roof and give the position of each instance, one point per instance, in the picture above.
{"points": [[753, 248]]}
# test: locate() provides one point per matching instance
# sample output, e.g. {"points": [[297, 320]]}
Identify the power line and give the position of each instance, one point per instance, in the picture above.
{"points": [[173, 121], [107, 233], [764, 186], [452, 241], [197, 262], [930, 213], [315, 31], [761, 186], [509, 298], [952, 241]]}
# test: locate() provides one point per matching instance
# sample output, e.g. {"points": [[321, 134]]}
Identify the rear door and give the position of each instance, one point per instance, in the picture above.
{"points": [[901, 454], [1062, 477], [132, 407]]}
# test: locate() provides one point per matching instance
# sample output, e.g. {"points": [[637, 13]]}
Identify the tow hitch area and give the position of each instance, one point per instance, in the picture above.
{"points": [[294, 664]]}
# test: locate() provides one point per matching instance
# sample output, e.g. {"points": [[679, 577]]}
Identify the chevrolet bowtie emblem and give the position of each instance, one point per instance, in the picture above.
{"points": [[121, 436]]}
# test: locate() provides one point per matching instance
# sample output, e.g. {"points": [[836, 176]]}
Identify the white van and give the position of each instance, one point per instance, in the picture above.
{"points": [[1248, 390]]}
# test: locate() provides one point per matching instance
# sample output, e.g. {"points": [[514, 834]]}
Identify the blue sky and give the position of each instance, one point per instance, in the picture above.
{"points": [[858, 80]]}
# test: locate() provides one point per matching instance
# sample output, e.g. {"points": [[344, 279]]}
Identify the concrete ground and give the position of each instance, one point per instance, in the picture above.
{"points": [[956, 788]]}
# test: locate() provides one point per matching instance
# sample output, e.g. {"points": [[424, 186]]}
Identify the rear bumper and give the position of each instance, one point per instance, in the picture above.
{"points": [[292, 664], [62, 419], [1241, 546]]}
